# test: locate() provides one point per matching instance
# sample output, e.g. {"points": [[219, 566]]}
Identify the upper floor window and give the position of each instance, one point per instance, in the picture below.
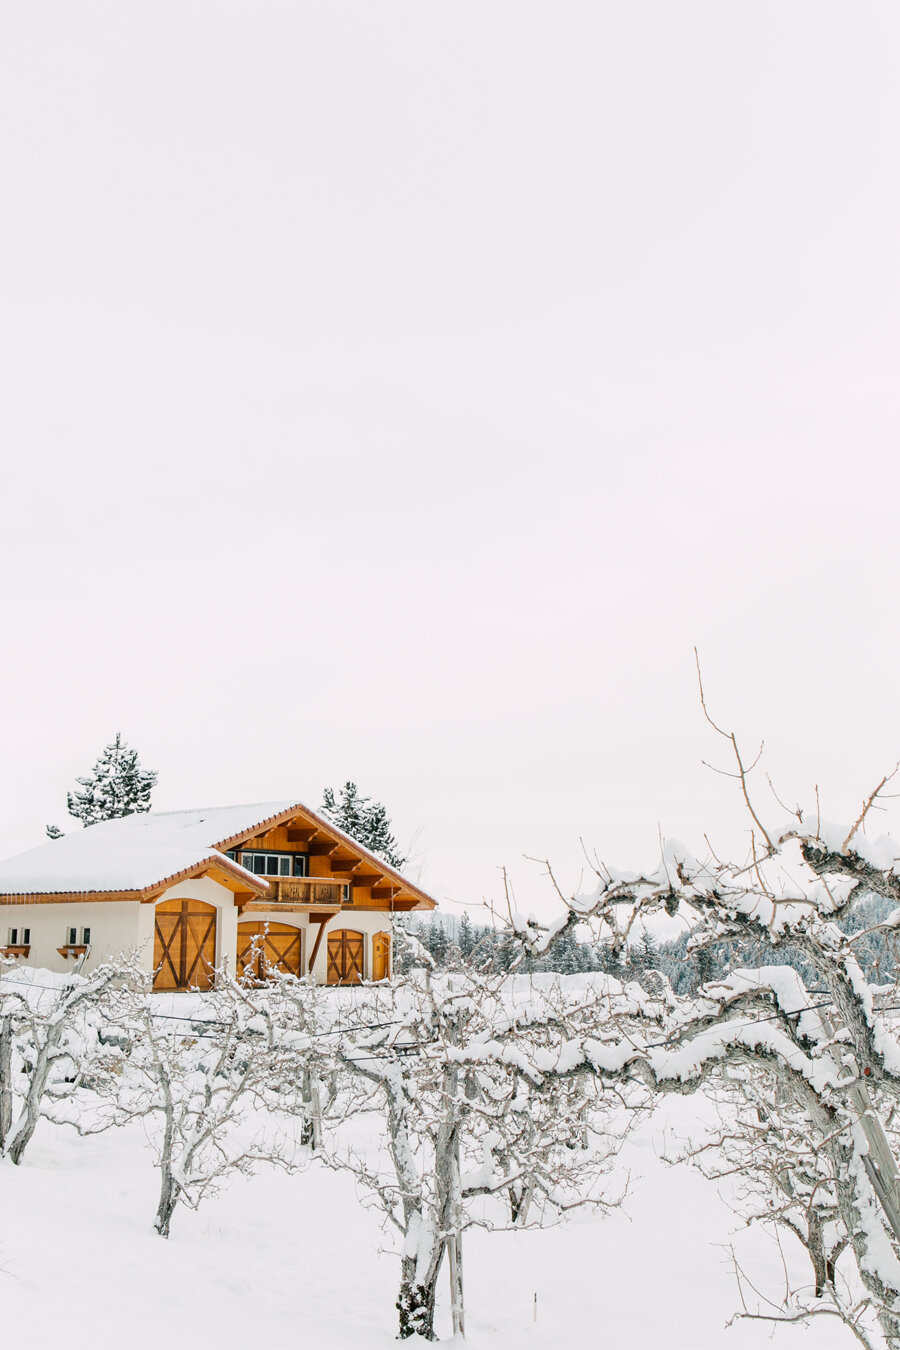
{"points": [[272, 864]]}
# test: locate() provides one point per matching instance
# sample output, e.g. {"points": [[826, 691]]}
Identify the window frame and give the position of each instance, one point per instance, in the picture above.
{"points": [[294, 860]]}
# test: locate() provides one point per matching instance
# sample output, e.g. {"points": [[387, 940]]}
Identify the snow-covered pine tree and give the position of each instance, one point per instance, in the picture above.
{"points": [[650, 957], [439, 943], [566, 954], [116, 786], [364, 820], [348, 810], [381, 840], [467, 937]]}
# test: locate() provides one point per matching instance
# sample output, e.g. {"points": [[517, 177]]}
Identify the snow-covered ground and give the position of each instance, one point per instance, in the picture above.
{"points": [[296, 1260]]}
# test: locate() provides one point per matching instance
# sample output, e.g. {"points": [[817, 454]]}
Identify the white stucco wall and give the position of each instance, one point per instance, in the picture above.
{"points": [[114, 925]]}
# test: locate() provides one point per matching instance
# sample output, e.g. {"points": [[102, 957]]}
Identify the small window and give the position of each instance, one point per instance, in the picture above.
{"points": [[26, 937], [347, 899], [72, 939], [301, 865], [85, 936], [14, 937], [270, 864]]}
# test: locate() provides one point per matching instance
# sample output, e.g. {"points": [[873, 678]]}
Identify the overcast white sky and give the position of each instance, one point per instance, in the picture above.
{"points": [[400, 391]]}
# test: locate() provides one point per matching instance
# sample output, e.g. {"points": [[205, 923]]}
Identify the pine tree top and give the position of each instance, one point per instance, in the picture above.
{"points": [[116, 786], [364, 820]]}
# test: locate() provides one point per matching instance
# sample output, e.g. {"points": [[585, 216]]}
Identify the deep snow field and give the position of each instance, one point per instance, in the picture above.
{"points": [[296, 1260]]}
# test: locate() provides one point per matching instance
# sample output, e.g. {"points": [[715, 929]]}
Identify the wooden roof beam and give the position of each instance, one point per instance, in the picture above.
{"points": [[346, 864], [323, 847]]}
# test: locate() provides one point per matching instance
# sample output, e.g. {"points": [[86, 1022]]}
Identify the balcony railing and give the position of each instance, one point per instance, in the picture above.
{"points": [[304, 891]]}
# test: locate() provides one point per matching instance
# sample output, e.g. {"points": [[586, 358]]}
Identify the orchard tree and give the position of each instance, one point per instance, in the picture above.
{"points": [[476, 1133], [197, 1082], [116, 786], [817, 1057], [52, 1047], [364, 820]]}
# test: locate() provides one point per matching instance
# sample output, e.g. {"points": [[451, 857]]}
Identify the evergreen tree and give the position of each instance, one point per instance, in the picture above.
{"points": [[649, 952], [565, 950], [347, 811], [381, 841], [467, 938], [708, 964], [116, 786], [438, 943], [364, 820]]}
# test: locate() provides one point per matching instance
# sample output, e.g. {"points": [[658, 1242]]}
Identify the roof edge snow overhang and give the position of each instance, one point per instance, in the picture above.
{"points": [[235, 878]]}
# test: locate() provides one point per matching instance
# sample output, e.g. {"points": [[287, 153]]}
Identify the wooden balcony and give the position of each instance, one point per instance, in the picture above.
{"points": [[300, 893]]}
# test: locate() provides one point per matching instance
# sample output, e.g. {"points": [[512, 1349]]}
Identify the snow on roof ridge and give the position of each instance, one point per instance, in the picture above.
{"points": [[282, 804]]}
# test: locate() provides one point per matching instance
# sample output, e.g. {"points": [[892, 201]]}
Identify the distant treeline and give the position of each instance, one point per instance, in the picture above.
{"points": [[449, 939]]}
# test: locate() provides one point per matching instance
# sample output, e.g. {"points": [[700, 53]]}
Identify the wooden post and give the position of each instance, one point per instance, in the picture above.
{"points": [[457, 1308], [455, 1209], [879, 1161], [312, 1128], [315, 1107]]}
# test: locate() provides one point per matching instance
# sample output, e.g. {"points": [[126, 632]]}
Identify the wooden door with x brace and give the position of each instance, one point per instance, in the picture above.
{"points": [[184, 946]]}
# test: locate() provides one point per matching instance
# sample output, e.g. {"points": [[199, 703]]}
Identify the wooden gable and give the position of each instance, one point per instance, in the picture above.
{"points": [[332, 857]]}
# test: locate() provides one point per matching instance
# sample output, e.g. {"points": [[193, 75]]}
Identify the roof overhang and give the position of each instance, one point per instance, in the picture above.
{"points": [[216, 866]]}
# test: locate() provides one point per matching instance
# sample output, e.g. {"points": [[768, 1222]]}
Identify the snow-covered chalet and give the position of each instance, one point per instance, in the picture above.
{"points": [[248, 887]]}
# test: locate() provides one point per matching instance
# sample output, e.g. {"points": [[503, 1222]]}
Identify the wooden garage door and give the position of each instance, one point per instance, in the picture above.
{"points": [[184, 947], [381, 956], [345, 957], [264, 947]]}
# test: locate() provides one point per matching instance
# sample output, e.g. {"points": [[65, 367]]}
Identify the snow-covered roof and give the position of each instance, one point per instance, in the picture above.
{"points": [[140, 852], [135, 852]]}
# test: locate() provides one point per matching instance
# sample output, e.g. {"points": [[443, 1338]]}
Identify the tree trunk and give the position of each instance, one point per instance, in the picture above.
{"points": [[31, 1111], [417, 1296], [6, 1095], [816, 1248], [311, 1132], [168, 1198], [454, 1244], [457, 1306]]}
